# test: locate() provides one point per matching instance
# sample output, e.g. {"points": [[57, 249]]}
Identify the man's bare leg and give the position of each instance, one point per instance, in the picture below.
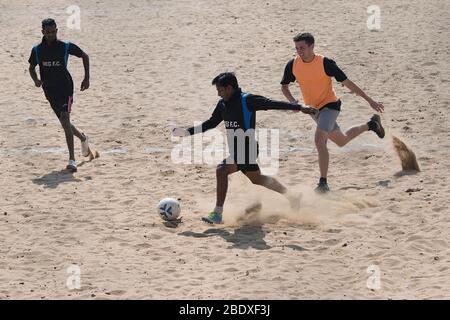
{"points": [[222, 173], [78, 134], [223, 170], [341, 139], [266, 181], [273, 184], [320, 139], [67, 126]]}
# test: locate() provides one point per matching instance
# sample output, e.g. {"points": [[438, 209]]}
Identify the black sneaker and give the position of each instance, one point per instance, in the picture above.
{"points": [[377, 127], [322, 187]]}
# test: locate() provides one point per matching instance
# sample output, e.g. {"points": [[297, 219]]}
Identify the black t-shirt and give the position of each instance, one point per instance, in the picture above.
{"points": [[232, 111], [52, 60], [236, 116]]}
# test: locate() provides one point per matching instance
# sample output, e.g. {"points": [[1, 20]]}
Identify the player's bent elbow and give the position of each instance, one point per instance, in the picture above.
{"points": [[285, 89]]}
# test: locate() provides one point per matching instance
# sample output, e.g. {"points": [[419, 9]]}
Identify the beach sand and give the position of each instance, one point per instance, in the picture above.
{"points": [[152, 63]]}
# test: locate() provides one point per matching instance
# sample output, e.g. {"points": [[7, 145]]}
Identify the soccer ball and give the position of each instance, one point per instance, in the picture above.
{"points": [[169, 209]]}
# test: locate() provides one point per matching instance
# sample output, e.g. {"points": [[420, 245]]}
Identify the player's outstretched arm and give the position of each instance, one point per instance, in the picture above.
{"points": [[377, 106], [262, 103], [211, 123]]}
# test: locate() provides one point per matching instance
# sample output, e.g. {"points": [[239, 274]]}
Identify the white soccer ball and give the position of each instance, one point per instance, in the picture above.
{"points": [[169, 209]]}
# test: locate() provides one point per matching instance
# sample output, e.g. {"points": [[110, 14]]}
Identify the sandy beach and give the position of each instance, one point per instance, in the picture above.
{"points": [[152, 63]]}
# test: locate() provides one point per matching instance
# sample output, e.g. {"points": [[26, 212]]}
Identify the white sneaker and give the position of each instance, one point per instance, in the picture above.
{"points": [[85, 146], [72, 166]]}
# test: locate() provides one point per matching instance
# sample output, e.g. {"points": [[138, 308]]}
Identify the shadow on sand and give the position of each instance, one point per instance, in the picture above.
{"points": [[54, 178]]}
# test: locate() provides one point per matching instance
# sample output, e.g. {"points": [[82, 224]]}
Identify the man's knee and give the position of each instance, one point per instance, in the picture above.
{"points": [[64, 118], [338, 138], [320, 138], [256, 179], [340, 143], [221, 171], [65, 121]]}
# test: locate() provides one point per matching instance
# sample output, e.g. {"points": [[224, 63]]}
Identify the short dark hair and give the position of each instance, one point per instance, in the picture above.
{"points": [[307, 37], [226, 79], [49, 22]]}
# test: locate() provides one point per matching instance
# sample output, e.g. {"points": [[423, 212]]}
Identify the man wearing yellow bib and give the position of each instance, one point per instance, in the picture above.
{"points": [[313, 73]]}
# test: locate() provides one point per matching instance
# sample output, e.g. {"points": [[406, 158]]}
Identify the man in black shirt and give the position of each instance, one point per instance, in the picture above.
{"points": [[52, 55], [237, 110]]}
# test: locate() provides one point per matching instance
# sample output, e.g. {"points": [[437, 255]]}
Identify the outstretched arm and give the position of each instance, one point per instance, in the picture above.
{"points": [[377, 106], [261, 103], [212, 122]]}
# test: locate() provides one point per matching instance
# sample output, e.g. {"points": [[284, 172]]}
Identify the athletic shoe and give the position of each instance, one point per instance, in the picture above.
{"points": [[377, 127], [72, 166], [322, 187], [85, 146], [213, 218]]}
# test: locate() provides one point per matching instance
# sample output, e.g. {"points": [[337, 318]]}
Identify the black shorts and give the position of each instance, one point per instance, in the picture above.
{"points": [[60, 102], [242, 167]]}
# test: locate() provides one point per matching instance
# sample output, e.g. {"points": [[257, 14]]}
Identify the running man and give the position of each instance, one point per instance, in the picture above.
{"points": [[237, 110], [52, 56], [313, 72]]}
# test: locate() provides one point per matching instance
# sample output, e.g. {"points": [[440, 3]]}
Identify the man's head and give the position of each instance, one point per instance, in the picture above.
{"points": [[304, 44], [49, 29], [226, 84]]}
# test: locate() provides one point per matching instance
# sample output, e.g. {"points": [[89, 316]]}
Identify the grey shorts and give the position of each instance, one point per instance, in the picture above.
{"points": [[326, 119]]}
